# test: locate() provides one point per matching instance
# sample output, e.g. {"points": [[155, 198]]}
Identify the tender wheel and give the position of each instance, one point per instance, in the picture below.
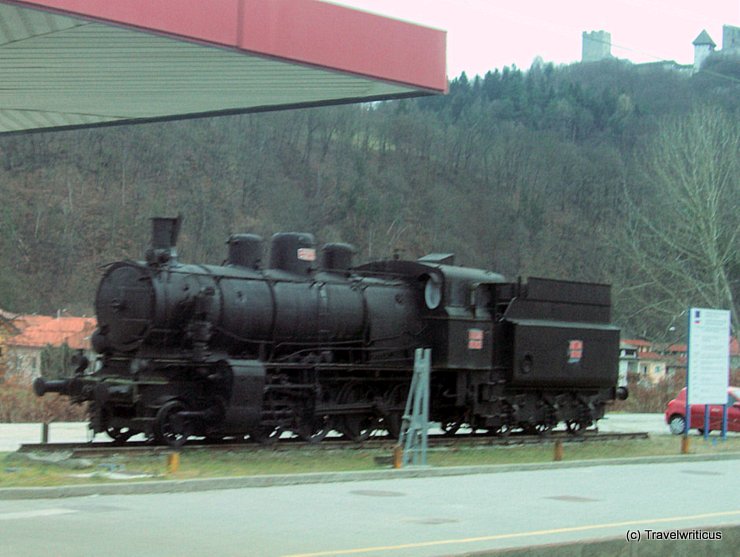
{"points": [[677, 424], [168, 429], [543, 429]]}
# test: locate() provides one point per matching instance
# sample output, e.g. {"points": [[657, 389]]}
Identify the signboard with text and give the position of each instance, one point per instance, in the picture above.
{"points": [[709, 355]]}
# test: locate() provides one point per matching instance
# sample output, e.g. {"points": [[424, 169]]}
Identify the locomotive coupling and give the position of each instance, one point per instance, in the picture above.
{"points": [[76, 388], [62, 386]]}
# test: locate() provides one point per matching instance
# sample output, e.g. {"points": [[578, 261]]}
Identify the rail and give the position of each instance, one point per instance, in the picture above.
{"points": [[436, 443]]}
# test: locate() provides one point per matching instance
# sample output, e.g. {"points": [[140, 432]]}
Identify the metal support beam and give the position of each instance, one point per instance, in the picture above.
{"points": [[415, 429]]}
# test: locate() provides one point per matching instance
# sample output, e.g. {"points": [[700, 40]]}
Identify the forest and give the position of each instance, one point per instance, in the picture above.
{"points": [[608, 172]]}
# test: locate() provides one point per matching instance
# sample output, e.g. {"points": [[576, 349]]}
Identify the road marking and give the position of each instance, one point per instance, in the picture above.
{"points": [[585, 528], [35, 514]]}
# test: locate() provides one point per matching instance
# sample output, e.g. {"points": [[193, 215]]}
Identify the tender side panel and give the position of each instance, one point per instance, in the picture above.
{"points": [[556, 354]]}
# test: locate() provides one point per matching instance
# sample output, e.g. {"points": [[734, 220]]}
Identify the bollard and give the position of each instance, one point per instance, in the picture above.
{"points": [[44, 433], [685, 444], [558, 453], [397, 456], [173, 462]]}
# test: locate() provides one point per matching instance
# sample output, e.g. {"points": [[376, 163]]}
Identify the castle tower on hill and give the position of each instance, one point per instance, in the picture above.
{"points": [[597, 45], [703, 47]]}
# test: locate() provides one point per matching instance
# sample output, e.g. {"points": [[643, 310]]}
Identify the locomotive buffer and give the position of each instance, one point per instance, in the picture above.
{"points": [[415, 431]]}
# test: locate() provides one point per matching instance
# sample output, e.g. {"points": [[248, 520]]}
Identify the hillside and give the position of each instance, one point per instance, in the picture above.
{"points": [[600, 172]]}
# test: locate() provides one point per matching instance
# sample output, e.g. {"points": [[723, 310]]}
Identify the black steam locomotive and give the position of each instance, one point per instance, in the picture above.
{"points": [[237, 349]]}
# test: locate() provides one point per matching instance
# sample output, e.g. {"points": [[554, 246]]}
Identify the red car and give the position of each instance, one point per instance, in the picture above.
{"points": [[675, 413]]}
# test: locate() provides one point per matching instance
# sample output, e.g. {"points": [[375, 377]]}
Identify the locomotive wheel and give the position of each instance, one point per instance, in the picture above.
{"points": [[451, 426], [167, 428], [266, 435], [575, 427], [543, 429], [315, 431], [357, 427], [504, 430], [393, 418], [119, 434]]}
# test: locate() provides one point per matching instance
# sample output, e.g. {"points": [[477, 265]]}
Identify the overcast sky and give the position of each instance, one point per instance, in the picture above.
{"points": [[487, 34]]}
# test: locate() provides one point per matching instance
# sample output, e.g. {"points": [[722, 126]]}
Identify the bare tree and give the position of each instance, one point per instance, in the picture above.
{"points": [[681, 243]]}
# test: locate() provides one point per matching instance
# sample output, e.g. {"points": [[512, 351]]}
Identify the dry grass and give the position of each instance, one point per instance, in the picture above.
{"points": [[19, 404]]}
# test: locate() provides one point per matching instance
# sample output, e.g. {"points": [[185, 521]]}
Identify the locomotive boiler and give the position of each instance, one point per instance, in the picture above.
{"points": [[311, 343]]}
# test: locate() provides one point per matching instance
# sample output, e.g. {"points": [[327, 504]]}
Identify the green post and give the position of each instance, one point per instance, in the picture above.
{"points": [[415, 430]]}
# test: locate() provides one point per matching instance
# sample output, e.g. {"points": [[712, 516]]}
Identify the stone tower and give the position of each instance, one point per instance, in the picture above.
{"points": [[703, 47], [597, 45], [731, 39]]}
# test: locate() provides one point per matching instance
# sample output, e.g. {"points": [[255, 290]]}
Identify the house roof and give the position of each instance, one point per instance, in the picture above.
{"points": [[672, 349], [637, 342], [38, 331], [76, 63], [651, 356]]}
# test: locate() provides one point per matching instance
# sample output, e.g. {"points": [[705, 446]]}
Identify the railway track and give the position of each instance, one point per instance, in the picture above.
{"points": [[438, 442]]}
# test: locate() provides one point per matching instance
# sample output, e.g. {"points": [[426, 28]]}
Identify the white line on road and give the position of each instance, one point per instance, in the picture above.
{"points": [[34, 514]]}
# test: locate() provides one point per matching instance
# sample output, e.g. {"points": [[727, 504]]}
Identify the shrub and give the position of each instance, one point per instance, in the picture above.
{"points": [[649, 397], [18, 403]]}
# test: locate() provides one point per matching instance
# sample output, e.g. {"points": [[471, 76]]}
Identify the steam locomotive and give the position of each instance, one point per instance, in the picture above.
{"points": [[313, 344]]}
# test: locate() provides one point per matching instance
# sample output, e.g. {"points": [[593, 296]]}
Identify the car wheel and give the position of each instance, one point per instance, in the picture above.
{"points": [[677, 424]]}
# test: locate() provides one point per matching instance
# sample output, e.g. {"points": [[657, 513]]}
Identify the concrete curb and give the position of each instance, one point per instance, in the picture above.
{"points": [[180, 486]]}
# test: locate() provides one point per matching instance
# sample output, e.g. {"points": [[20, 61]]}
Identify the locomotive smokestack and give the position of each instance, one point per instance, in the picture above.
{"points": [[165, 231], [164, 238]]}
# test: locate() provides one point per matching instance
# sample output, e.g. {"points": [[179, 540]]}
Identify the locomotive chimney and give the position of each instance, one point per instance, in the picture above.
{"points": [[245, 250], [293, 252], [337, 258], [164, 238]]}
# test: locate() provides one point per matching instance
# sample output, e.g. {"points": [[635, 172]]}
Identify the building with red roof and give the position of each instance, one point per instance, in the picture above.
{"points": [[653, 361], [23, 350]]}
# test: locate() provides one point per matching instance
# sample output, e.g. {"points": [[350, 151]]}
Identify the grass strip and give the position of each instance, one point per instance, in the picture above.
{"points": [[17, 471]]}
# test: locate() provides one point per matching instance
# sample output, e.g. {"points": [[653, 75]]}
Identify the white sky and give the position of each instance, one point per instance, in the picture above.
{"points": [[486, 34]]}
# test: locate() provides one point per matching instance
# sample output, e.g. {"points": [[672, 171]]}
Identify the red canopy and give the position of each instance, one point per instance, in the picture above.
{"points": [[78, 63]]}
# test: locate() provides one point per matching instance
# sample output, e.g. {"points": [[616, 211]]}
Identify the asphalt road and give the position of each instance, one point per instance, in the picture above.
{"points": [[421, 517]]}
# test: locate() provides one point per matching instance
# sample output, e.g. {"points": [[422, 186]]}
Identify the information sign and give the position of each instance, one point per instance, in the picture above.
{"points": [[709, 355]]}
